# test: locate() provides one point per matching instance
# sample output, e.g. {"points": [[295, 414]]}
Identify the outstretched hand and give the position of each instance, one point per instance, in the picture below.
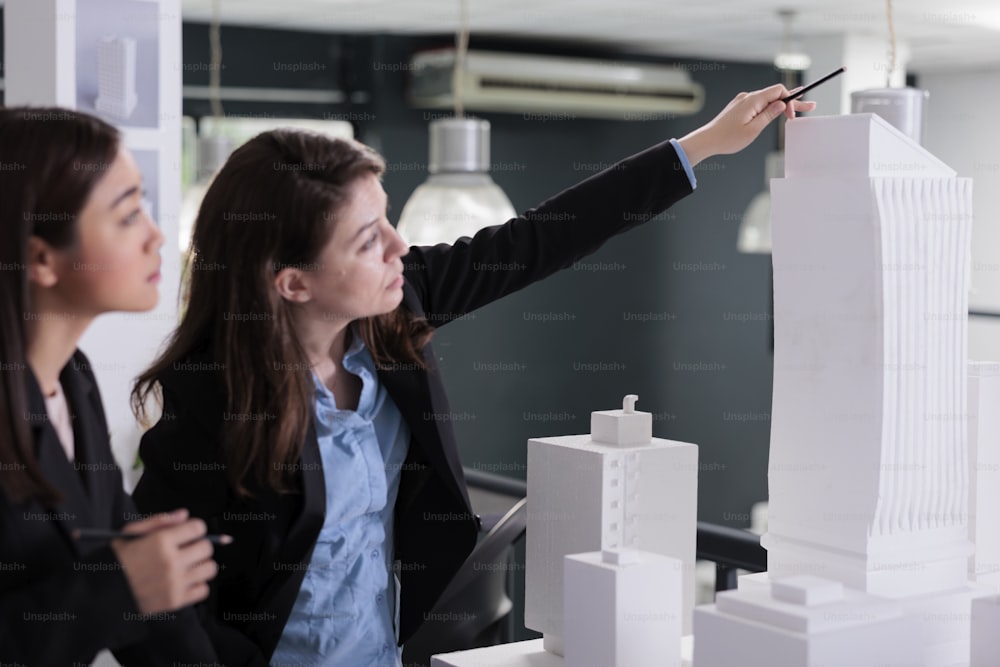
{"points": [[743, 119]]}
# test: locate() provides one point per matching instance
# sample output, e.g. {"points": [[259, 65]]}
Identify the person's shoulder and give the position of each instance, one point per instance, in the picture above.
{"points": [[199, 368], [195, 385]]}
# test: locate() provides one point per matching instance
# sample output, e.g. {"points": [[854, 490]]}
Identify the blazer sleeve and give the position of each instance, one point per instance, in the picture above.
{"points": [[90, 598], [174, 638], [180, 469], [69, 615], [452, 280]]}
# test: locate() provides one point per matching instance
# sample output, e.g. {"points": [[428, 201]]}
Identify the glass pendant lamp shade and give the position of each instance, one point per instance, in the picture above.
{"points": [[459, 198], [755, 227], [904, 108]]}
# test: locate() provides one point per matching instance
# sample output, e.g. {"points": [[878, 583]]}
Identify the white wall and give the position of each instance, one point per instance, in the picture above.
{"points": [[963, 130]]}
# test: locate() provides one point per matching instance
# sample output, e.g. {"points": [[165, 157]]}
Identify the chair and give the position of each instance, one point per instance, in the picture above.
{"points": [[473, 608]]}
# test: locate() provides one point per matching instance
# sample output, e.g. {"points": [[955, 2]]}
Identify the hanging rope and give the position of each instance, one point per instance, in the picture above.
{"points": [[215, 70], [892, 45], [461, 49]]}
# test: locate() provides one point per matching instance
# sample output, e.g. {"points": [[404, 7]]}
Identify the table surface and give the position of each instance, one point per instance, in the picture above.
{"points": [[524, 654]]}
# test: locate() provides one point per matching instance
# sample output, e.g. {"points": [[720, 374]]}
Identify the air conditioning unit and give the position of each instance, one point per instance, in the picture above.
{"points": [[520, 83]]}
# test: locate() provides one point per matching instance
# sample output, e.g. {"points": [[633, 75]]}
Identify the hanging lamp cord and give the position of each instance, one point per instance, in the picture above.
{"points": [[215, 70], [892, 45], [461, 49]]}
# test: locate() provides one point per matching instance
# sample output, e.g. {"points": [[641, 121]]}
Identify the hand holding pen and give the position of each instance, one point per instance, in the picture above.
{"points": [[167, 559]]}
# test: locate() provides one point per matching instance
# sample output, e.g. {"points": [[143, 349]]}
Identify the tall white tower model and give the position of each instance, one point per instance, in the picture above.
{"points": [[868, 471], [867, 478]]}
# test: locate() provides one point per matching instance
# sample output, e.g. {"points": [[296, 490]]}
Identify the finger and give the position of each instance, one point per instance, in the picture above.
{"points": [[769, 113], [195, 594], [156, 522], [202, 572], [195, 552], [798, 106], [759, 102], [771, 93], [189, 531]]}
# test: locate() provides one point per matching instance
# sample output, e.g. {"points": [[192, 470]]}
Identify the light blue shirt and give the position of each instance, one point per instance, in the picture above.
{"points": [[346, 612], [685, 163]]}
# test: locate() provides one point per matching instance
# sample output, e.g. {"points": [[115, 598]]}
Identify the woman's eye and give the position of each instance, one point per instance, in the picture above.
{"points": [[370, 243], [132, 217]]}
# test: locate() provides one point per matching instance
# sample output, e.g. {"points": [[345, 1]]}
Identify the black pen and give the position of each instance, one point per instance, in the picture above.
{"points": [[105, 534], [814, 84]]}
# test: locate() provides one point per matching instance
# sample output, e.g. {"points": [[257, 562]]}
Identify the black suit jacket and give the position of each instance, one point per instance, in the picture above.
{"points": [[435, 528], [63, 600]]}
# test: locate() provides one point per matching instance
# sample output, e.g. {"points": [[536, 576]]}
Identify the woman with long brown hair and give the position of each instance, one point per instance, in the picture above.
{"points": [[75, 243], [302, 409]]}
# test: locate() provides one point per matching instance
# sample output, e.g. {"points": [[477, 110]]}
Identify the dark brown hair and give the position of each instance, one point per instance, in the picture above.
{"points": [[274, 203], [50, 160]]}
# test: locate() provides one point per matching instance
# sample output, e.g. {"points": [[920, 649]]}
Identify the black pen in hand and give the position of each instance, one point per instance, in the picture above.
{"points": [[106, 534], [806, 89]]}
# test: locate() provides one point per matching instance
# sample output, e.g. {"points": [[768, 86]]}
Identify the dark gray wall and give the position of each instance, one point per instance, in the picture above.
{"points": [[703, 369], [702, 366]]}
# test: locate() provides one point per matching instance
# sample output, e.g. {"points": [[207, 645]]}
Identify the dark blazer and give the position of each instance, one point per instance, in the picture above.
{"points": [[63, 600], [435, 528]]}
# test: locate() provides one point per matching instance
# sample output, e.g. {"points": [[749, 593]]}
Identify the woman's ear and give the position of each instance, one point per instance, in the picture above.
{"points": [[43, 263], [292, 285]]}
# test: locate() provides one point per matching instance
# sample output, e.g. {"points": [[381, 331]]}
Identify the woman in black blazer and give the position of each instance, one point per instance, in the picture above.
{"points": [[74, 242], [293, 261]]}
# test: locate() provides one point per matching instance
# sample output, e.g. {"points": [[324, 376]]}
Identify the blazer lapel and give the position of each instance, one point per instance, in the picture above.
{"points": [[93, 459], [278, 596], [74, 510], [305, 527], [302, 535], [409, 389]]}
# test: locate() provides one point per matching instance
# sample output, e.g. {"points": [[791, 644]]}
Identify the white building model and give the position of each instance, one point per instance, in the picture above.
{"points": [[885, 451], [868, 473], [116, 71], [612, 521]]}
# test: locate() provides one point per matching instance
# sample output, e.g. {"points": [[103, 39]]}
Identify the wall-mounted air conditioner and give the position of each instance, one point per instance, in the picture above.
{"points": [[518, 83]]}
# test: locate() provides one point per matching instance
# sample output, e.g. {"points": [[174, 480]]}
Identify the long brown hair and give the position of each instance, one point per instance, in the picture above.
{"points": [[274, 203], [50, 160]]}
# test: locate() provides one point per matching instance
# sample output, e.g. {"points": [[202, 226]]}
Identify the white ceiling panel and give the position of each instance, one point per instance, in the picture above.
{"points": [[962, 34]]}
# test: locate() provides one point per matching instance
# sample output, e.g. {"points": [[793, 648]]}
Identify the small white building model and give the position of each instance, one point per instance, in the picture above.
{"points": [[618, 487], [116, 71], [984, 473], [622, 609]]}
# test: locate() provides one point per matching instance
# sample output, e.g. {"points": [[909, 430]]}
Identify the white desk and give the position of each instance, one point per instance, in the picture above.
{"points": [[524, 654]]}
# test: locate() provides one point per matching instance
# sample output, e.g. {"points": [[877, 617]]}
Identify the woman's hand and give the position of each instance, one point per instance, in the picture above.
{"points": [[740, 122], [170, 566]]}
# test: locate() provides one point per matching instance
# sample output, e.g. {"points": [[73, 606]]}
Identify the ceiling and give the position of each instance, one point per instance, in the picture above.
{"points": [[958, 34]]}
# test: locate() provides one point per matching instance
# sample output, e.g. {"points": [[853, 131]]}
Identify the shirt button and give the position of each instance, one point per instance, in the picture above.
{"points": [[379, 597], [385, 647], [375, 553]]}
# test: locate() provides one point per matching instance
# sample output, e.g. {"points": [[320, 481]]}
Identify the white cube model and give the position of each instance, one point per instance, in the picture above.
{"points": [[116, 68], [589, 495], [985, 637], [804, 621], [984, 472], [622, 609]]}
